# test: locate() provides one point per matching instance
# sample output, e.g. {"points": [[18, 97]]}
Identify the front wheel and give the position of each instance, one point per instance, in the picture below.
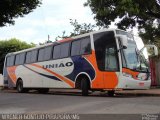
{"points": [[84, 87], [111, 93]]}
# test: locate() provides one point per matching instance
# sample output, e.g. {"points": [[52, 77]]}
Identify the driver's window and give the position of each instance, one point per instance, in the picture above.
{"points": [[111, 59]]}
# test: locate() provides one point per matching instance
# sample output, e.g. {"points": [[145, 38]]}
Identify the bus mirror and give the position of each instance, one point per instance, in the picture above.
{"points": [[151, 49], [124, 40]]}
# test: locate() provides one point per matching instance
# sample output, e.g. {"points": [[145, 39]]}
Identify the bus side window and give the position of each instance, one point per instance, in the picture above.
{"points": [[7, 61], [85, 46], [10, 61], [56, 51], [34, 55], [28, 57], [47, 53], [20, 59], [75, 48], [17, 60], [41, 54], [65, 48]]}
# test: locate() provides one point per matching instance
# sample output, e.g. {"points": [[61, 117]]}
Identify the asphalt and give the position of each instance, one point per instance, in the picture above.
{"points": [[154, 91], [126, 105]]}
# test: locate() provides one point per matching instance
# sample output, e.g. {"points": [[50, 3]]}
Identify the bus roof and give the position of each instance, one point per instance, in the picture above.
{"points": [[61, 41]]}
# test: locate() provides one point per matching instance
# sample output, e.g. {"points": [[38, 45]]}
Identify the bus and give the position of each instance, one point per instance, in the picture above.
{"points": [[104, 60]]}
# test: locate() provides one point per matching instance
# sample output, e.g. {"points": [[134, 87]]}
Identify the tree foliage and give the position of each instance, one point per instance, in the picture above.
{"points": [[12, 45], [11, 9], [78, 29], [142, 13]]}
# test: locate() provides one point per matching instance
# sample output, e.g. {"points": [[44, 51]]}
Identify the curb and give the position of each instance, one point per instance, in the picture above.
{"points": [[139, 94]]}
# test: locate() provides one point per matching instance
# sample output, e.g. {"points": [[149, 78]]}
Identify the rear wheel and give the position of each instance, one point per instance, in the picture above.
{"points": [[111, 93], [84, 87], [20, 88], [43, 90]]}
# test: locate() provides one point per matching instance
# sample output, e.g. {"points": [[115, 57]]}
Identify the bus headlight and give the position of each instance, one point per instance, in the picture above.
{"points": [[127, 75], [142, 76]]}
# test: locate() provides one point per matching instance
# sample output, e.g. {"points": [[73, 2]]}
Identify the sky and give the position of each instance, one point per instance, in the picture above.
{"points": [[51, 18]]}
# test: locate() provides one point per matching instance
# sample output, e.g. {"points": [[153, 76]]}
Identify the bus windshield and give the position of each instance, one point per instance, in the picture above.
{"points": [[132, 59]]}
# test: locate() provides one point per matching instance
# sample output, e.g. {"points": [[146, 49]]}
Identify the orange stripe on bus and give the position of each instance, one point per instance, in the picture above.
{"points": [[65, 40], [133, 73], [68, 81], [11, 73]]}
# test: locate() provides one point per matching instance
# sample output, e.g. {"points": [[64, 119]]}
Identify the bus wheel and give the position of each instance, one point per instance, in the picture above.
{"points": [[111, 93], [84, 87], [43, 90], [20, 88]]}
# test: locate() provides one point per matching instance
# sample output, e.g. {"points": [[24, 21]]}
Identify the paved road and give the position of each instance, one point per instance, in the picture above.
{"points": [[62, 102]]}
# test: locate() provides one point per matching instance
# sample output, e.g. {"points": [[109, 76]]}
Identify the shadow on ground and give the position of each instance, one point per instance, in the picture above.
{"points": [[78, 93]]}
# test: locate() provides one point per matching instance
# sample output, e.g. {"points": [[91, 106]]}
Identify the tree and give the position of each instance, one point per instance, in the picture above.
{"points": [[10, 9], [145, 14], [12, 45], [78, 29]]}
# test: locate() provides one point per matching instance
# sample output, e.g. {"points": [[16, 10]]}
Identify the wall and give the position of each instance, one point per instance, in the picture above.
{"points": [[155, 70]]}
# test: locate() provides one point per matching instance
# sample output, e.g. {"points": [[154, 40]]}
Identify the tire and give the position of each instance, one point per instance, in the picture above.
{"points": [[111, 93], [43, 90], [20, 88], [84, 87]]}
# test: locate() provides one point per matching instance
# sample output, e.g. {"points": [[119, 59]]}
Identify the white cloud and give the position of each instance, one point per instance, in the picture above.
{"points": [[67, 9], [36, 23], [51, 18], [51, 21]]}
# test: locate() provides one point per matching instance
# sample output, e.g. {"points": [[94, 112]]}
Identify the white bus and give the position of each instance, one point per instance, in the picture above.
{"points": [[103, 60]]}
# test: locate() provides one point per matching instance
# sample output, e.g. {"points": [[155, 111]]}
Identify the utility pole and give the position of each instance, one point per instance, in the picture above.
{"points": [[48, 37], [48, 41]]}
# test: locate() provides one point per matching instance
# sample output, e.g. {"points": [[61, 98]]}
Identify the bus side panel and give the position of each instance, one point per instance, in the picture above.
{"points": [[56, 73], [103, 80], [59, 73], [81, 66], [40, 77], [53, 73]]}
